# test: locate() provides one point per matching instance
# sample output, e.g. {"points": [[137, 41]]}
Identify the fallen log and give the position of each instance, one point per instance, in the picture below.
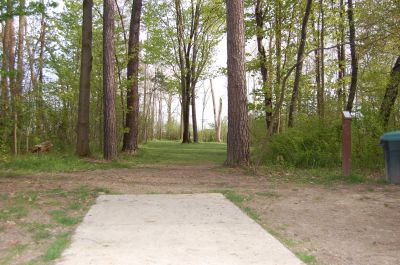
{"points": [[42, 148]]}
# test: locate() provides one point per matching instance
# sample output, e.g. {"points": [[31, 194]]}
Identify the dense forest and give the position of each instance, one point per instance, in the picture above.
{"points": [[109, 75]]}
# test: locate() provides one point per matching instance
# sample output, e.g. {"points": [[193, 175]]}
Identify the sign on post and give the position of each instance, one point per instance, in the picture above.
{"points": [[346, 143]]}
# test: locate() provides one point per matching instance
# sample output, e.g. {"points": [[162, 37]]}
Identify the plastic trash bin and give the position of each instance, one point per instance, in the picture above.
{"points": [[391, 145]]}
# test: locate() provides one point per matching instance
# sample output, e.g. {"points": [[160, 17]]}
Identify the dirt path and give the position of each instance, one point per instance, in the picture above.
{"points": [[339, 225]]}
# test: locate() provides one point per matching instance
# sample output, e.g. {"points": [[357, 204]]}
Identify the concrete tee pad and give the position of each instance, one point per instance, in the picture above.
{"points": [[185, 229]]}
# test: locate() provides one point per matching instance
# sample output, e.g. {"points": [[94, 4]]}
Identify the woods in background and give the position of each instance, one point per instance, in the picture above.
{"points": [[307, 61]]}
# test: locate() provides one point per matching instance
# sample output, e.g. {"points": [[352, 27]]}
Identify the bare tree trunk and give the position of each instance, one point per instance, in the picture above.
{"points": [[205, 100], [392, 90], [341, 56], [183, 75], [169, 113], [110, 118], [160, 117], [354, 60], [238, 152], [82, 143], [144, 103], [194, 115], [130, 143], [322, 65], [299, 67], [41, 118], [7, 81], [317, 32], [217, 118], [263, 61], [20, 73]]}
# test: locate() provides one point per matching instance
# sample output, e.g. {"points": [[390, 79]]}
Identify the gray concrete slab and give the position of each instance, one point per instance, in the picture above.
{"points": [[187, 229]]}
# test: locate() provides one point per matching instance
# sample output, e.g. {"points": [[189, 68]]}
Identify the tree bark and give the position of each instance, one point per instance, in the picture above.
{"points": [[341, 51], [322, 60], [299, 67], [217, 118], [110, 119], [238, 152], [263, 61], [82, 143], [130, 142], [20, 73], [392, 90], [7, 81], [354, 60]]}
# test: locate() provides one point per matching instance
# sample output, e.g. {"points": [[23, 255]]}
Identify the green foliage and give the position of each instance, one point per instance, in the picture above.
{"points": [[315, 144], [309, 145], [168, 152], [39, 231], [13, 213], [306, 258], [61, 217], [57, 247]]}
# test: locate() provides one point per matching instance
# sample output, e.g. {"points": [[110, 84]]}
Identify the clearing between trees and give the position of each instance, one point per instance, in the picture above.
{"points": [[321, 217]]}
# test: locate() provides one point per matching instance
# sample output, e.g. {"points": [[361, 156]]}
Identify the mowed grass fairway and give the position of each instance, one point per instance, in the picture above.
{"points": [[156, 152], [167, 152]]}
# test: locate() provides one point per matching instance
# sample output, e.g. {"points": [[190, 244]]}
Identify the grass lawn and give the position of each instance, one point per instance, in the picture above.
{"points": [[156, 152]]}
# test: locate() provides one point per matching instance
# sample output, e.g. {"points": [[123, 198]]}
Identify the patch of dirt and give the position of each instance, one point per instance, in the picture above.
{"points": [[339, 225]]}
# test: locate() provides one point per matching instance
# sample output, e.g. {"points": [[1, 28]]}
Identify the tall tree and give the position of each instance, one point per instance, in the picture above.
{"points": [[392, 90], [341, 54], [110, 119], [217, 117], [354, 59], [130, 142], [238, 151], [262, 58], [299, 66], [20, 72], [82, 143]]}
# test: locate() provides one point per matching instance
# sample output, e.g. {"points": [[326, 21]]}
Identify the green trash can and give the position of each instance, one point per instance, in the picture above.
{"points": [[391, 145]]}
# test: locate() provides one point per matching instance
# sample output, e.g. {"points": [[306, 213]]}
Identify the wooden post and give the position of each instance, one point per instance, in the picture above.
{"points": [[346, 143]]}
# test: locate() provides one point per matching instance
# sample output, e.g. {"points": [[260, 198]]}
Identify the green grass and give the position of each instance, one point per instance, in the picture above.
{"points": [[39, 231], [57, 247], [169, 152], [13, 213], [306, 258], [155, 152], [61, 217], [11, 253]]}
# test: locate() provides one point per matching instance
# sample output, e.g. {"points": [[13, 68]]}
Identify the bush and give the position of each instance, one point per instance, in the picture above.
{"points": [[312, 144]]}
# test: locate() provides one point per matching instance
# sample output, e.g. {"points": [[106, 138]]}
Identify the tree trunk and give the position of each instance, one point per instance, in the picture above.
{"points": [[110, 118], [391, 93], [238, 152], [322, 64], [354, 60], [82, 143], [194, 116], [20, 73], [7, 83], [299, 67], [341, 52], [130, 143], [182, 67], [217, 118], [263, 61]]}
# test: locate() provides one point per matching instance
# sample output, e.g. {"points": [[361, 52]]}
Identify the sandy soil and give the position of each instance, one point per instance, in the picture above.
{"points": [[339, 225]]}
